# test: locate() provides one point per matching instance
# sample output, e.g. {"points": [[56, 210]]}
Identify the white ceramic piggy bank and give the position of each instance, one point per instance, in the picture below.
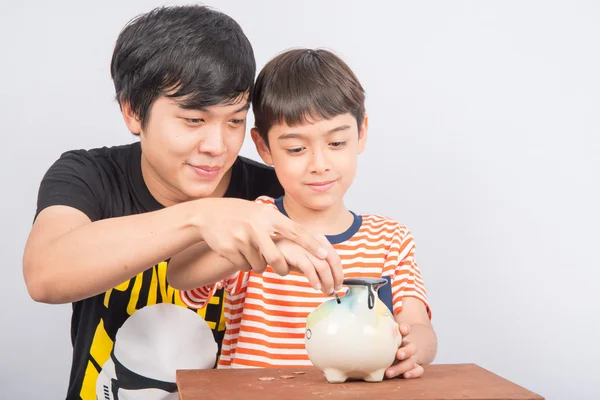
{"points": [[355, 337]]}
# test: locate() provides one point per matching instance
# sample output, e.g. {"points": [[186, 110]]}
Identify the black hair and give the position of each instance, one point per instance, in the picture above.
{"points": [[303, 84], [192, 53]]}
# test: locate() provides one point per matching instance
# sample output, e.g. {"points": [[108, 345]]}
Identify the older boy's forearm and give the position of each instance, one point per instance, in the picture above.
{"points": [[68, 258], [425, 339]]}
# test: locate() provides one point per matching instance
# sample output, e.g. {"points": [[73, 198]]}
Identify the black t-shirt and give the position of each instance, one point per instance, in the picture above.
{"points": [[105, 183]]}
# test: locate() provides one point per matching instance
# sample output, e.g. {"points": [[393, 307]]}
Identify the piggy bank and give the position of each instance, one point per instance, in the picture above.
{"points": [[354, 336]]}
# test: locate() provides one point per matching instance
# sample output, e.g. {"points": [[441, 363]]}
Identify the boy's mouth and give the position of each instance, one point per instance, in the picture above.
{"points": [[205, 171], [321, 186]]}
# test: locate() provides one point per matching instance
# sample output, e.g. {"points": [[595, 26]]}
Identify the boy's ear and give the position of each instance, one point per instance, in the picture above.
{"points": [[261, 147], [362, 134], [131, 120]]}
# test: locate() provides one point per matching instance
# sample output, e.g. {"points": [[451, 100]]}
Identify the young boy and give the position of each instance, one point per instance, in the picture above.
{"points": [[310, 124]]}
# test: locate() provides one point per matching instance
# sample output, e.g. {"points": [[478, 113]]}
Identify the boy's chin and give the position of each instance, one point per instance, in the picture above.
{"points": [[195, 192], [321, 204]]}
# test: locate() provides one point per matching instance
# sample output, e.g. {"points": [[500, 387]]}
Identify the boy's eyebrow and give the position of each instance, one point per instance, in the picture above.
{"points": [[242, 108], [293, 135]]}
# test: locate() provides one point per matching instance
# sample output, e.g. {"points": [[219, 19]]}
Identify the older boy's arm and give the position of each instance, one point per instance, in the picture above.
{"points": [[68, 257], [419, 344]]}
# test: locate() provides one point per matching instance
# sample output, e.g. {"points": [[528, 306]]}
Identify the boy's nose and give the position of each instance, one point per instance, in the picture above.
{"points": [[213, 143], [319, 163]]}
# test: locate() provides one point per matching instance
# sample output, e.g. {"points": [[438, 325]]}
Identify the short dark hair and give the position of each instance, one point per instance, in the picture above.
{"points": [[193, 53], [303, 84]]}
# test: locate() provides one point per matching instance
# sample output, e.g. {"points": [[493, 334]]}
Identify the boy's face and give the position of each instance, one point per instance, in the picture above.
{"points": [[187, 154], [315, 162]]}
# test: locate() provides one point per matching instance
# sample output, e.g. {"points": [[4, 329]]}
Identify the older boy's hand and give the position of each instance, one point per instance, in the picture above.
{"points": [[241, 231], [320, 274], [405, 364]]}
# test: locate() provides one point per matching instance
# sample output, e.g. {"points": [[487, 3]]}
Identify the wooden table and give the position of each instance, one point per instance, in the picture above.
{"points": [[440, 382]]}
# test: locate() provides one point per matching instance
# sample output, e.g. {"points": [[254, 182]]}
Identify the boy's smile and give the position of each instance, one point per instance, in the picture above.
{"points": [[315, 162], [321, 186], [207, 172], [187, 154]]}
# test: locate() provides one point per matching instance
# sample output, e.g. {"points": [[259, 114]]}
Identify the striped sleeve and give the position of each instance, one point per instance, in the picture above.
{"points": [[266, 200], [236, 282], [407, 280], [198, 298]]}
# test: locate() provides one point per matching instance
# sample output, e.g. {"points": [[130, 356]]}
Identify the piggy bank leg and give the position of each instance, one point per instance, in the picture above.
{"points": [[375, 376], [335, 375]]}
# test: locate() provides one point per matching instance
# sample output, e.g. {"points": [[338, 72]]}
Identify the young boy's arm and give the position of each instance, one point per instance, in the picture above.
{"points": [[199, 266], [419, 342]]}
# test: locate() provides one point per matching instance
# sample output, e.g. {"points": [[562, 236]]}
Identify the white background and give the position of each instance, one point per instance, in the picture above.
{"points": [[484, 141]]}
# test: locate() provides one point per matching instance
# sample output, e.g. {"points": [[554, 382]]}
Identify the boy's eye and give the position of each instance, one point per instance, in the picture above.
{"points": [[194, 121], [236, 121], [295, 150], [337, 144]]}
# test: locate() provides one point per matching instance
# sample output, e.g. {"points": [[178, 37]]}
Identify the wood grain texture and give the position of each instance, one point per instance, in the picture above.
{"points": [[440, 382]]}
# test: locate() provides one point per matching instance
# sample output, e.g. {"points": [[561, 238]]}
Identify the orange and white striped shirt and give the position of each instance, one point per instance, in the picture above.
{"points": [[266, 313]]}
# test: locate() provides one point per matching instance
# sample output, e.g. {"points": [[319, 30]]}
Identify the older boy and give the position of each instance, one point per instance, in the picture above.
{"points": [[108, 219]]}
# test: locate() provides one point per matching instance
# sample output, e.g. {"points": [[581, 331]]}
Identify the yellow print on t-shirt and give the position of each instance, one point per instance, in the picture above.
{"points": [[151, 286]]}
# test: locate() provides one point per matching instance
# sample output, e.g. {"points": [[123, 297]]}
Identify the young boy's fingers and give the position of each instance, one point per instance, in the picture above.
{"points": [[306, 265], [317, 246], [325, 274], [334, 262], [414, 373], [406, 351], [405, 329], [401, 368]]}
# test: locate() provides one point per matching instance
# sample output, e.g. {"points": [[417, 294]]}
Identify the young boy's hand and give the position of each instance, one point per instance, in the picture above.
{"points": [[320, 274], [405, 364]]}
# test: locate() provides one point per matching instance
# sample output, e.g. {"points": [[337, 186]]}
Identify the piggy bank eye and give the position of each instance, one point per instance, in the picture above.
{"points": [[308, 333]]}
